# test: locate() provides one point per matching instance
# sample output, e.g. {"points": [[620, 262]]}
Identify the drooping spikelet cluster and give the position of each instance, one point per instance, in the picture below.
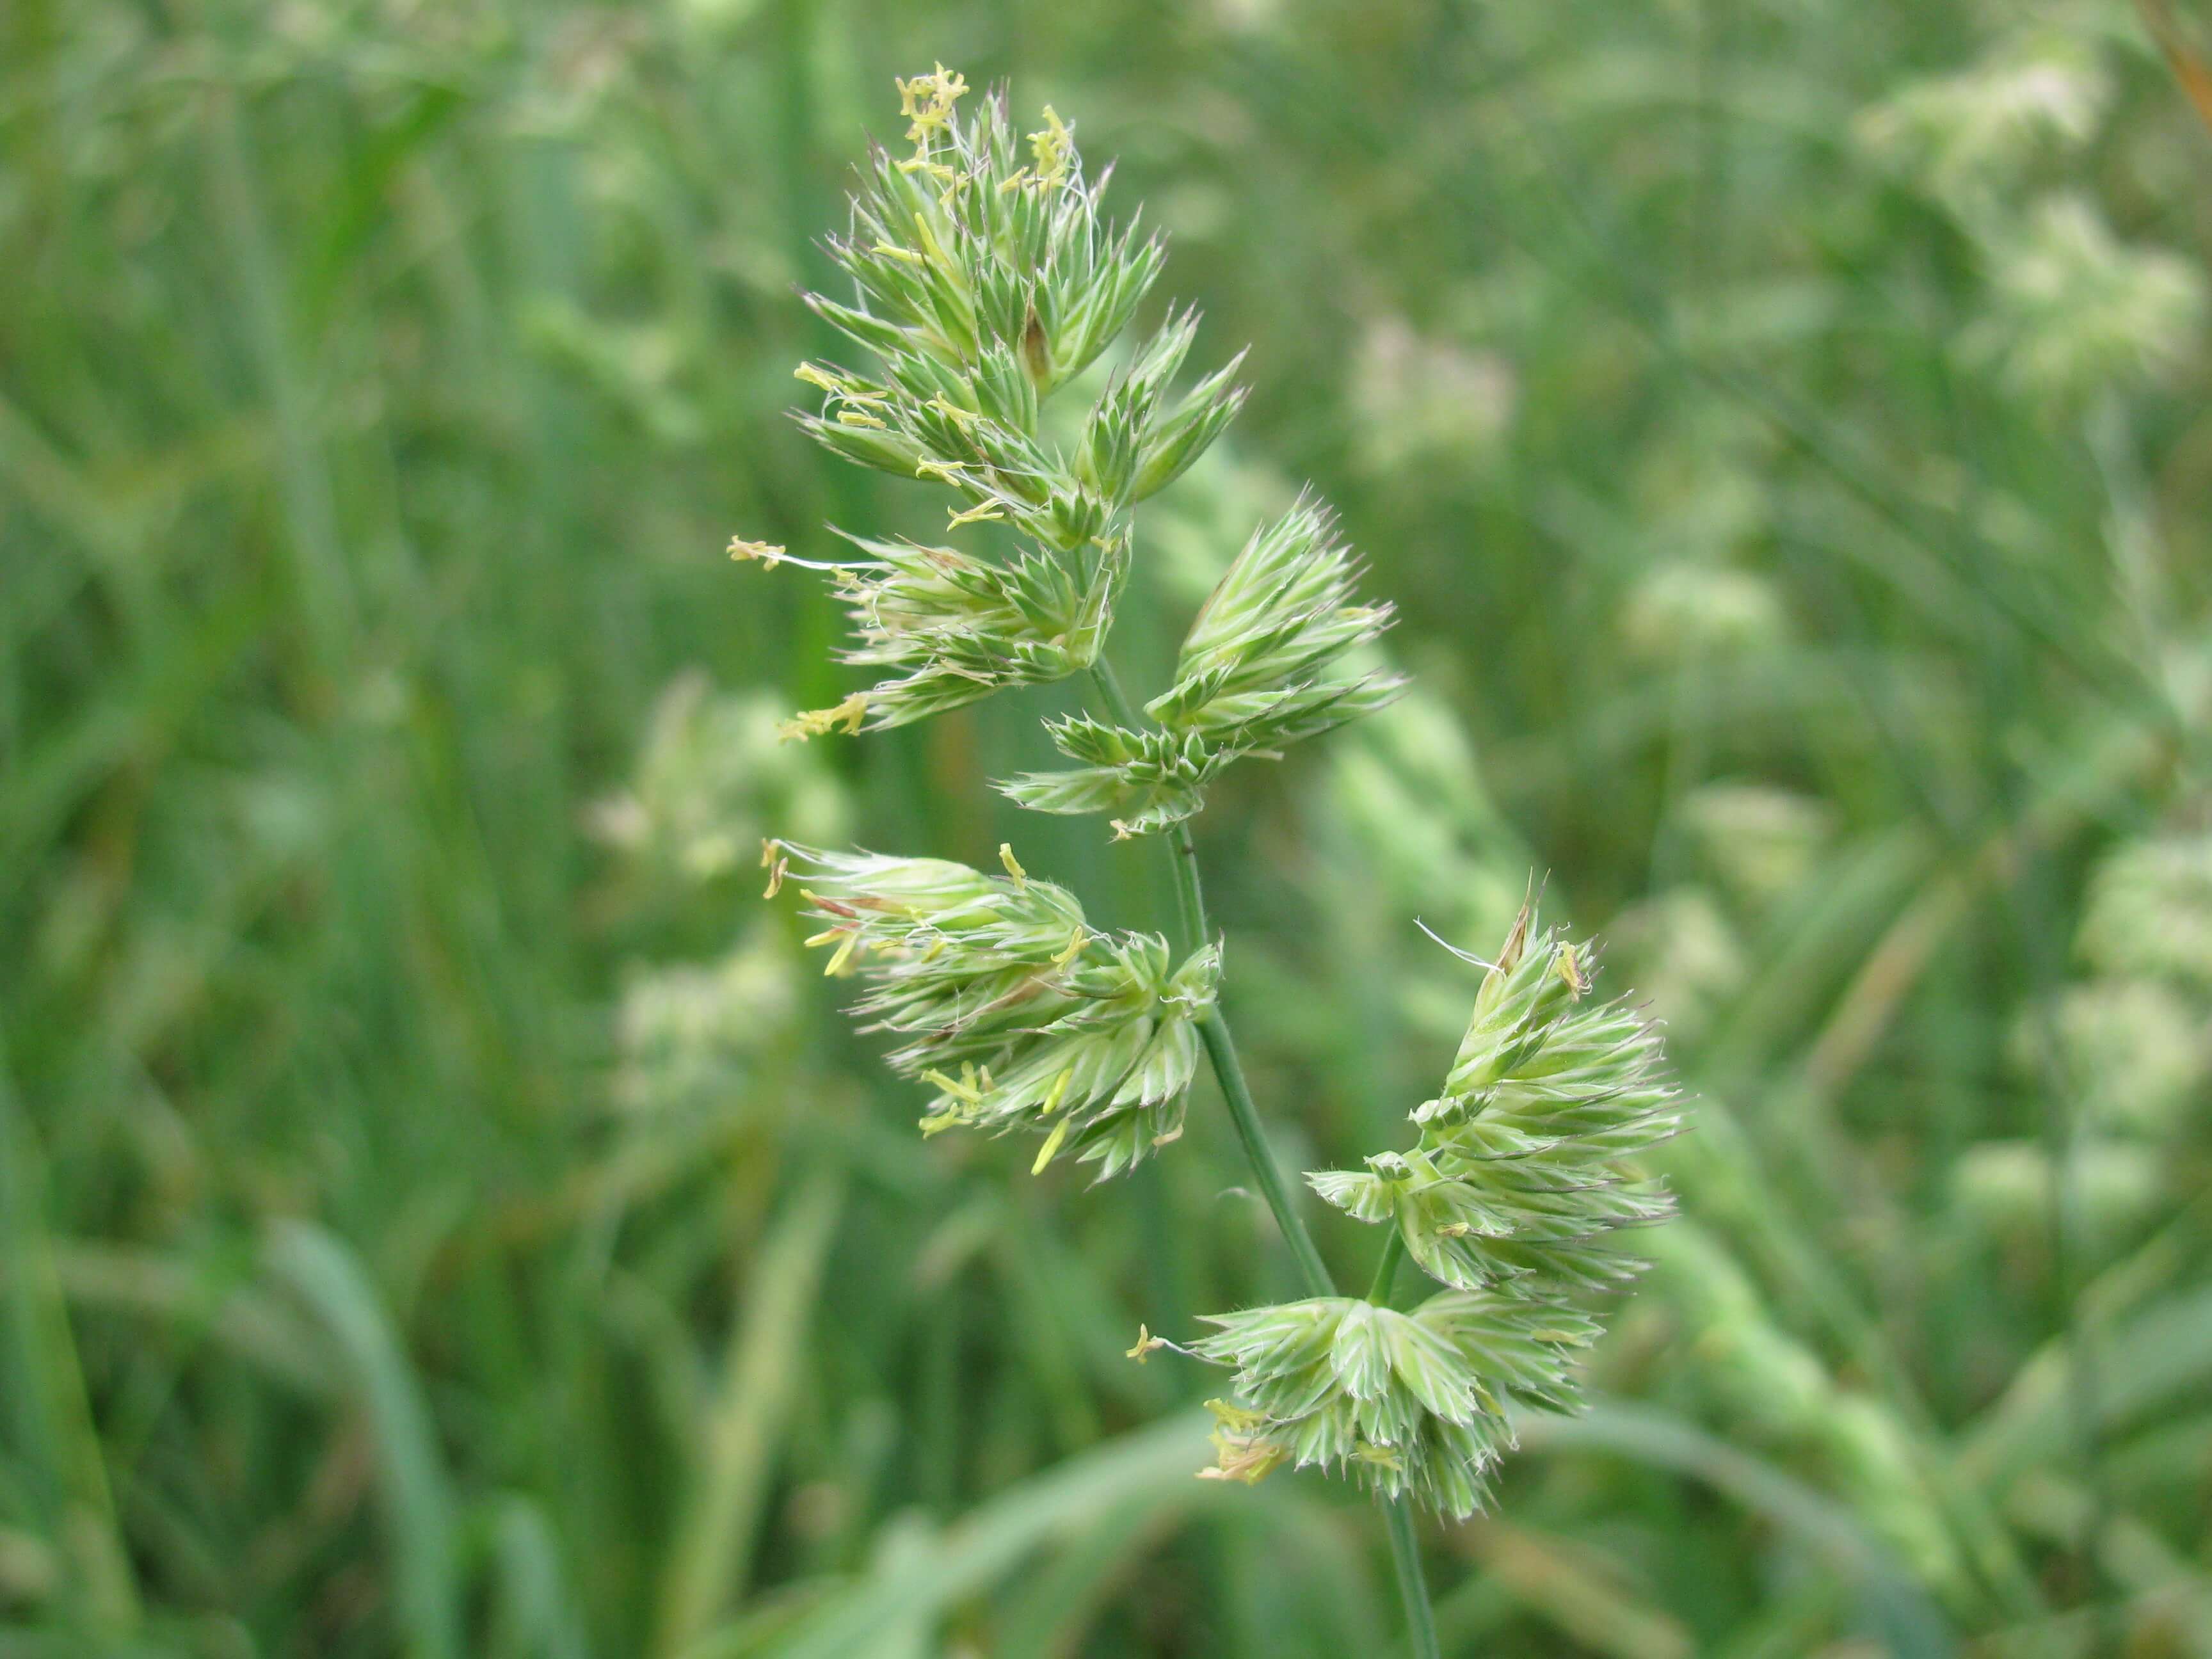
{"points": [[1511, 1196], [1005, 1000]]}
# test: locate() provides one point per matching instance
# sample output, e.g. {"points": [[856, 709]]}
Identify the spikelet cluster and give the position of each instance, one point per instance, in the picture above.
{"points": [[1406, 1402], [1262, 666], [1511, 1196], [985, 275], [1516, 1181], [959, 628], [1009, 1004]]}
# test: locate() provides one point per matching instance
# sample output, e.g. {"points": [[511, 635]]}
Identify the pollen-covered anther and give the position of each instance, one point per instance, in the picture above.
{"points": [[1241, 1452], [815, 722], [927, 101], [1052, 144]]}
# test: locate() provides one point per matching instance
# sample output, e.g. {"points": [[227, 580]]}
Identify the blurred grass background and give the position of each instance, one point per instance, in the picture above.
{"points": [[440, 1215]]}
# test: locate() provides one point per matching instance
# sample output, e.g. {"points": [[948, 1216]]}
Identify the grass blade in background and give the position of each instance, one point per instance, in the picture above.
{"points": [[710, 1555], [419, 1520]]}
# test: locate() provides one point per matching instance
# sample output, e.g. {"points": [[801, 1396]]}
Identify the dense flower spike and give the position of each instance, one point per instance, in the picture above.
{"points": [[1408, 1403], [986, 277], [1009, 1004], [1148, 780]]}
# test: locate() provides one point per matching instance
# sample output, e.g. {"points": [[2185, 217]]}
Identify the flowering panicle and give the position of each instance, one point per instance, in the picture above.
{"points": [[1507, 1197], [986, 278], [1009, 1005], [986, 275]]}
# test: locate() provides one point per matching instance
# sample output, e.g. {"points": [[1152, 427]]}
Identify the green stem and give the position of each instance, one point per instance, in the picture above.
{"points": [[1220, 1045], [1413, 1587], [1221, 1048], [1386, 1271], [1229, 1070]]}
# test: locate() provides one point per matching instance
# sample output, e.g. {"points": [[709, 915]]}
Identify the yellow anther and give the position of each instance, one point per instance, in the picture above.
{"points": [[1013, 865], [1052, 144], [841, 964], [1571, 971], [984, 513], [1051, 1145], [1240, 1454], [965, 1091], [813, 722], [768, 553], [1076, 941], [1058, 1089], [1237, 1419], [815, 375], [859, 417], [1147, 1345], [927, 101], [926, 235], [894, 250]]}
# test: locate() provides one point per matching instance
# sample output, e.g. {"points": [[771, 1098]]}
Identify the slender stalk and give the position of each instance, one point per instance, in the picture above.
{"points": [[1229, 1070], [1221, 1048], [1386, 1271], [1412, 1586]]}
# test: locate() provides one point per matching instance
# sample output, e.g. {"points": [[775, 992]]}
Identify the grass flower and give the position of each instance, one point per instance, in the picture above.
{"points": [[984, 281]]}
